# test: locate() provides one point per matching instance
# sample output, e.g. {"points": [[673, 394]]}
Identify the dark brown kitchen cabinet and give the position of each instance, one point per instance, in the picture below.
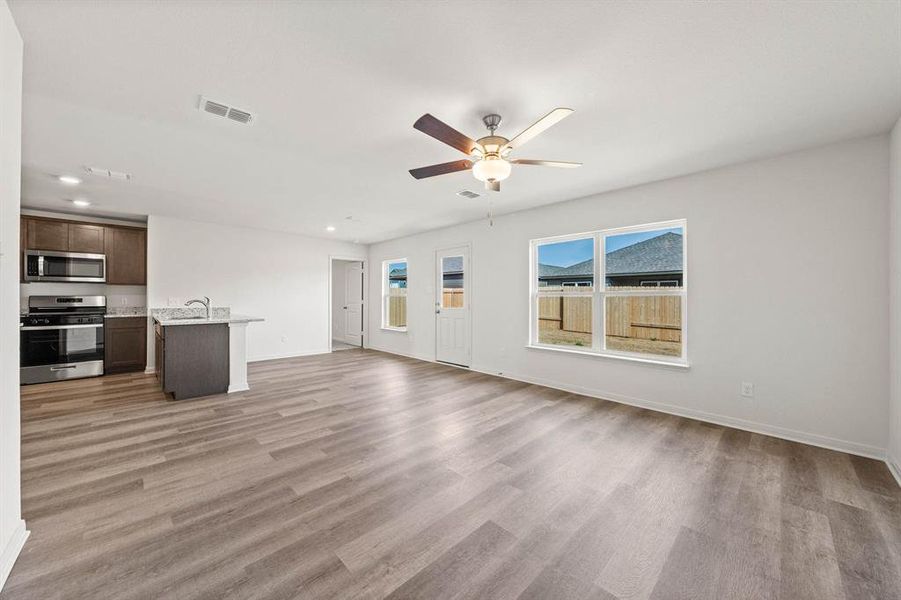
{"points": [[47, 235], [124, 344], [86, 238], [126, 256], [125, 247], [192, 360]]}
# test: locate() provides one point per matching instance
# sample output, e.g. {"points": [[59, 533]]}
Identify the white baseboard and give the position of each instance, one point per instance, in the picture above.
{"points": [[387, 351], [785, 433], [288, 355], [792, 435], [894, 465], [12, 550], [237, 388], [149, 371]]}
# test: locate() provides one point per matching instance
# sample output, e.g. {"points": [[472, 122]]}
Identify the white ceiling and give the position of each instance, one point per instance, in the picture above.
{"points": [[659, 88]]}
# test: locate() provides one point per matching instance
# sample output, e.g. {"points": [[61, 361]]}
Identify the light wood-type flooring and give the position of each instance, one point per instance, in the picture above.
{"points": [[359, 474]]}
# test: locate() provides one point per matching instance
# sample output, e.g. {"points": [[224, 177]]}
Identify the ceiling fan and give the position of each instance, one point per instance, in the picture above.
{"points": [[488, 156]]}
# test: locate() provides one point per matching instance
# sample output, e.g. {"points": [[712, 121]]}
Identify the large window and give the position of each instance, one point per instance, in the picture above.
{"points": [[394, 294], [618, 292]]}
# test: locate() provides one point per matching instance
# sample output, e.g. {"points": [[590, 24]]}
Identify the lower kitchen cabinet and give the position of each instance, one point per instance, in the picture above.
{"points": [[192, 360], [125, 344]]}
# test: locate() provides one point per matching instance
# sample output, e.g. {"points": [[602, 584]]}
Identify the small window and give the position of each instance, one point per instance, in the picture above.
{"points": [[662, 283], [452, 282], [394, 294]]}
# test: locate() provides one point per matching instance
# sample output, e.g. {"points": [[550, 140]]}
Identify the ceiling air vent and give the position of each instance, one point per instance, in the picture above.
{"points": [[223, 110], [468, 194], [108, 173]]}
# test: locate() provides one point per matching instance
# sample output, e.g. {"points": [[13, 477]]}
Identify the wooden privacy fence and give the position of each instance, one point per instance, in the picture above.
{"points": [[639, 317], [452, 298], [397, 304], [397, 307]]}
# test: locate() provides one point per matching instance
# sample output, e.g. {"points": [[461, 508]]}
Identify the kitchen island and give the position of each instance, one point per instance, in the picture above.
{"points": [[200, 356]]}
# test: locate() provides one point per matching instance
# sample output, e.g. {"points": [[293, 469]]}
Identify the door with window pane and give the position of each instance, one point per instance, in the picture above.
{"points": [[452, 314]]}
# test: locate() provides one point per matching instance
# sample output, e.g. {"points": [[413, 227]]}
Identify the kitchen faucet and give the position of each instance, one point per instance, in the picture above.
{"points": [[206, 305]]}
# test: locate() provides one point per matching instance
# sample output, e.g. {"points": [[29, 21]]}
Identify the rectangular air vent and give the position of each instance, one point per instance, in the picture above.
{"points": [[468, 194], [107, 173], [224, 110]]}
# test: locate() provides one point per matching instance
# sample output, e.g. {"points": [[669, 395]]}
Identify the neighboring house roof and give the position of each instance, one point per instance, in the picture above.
{"points": [[661, 254], [452, 264], [582, 269]]}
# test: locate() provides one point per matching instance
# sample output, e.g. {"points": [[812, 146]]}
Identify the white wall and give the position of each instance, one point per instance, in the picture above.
{"points": [[338, 288], [788, 291], [12, 527], [280, 277], [895, 307]]}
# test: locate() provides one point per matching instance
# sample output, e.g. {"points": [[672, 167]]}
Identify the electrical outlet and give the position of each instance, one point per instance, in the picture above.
{"points": [[284, 339], [747, 389]]}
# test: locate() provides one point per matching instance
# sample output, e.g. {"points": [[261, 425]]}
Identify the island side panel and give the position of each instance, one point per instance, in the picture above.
{"points": [[196, 360]]}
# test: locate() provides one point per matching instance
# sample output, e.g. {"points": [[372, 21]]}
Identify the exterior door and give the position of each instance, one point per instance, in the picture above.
{"points": [[452, 314], [353, 303]]}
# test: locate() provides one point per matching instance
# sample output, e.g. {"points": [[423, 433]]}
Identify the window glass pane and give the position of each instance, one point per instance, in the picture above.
{"points": [[567, 264], [397, 294], [564, 319], [452, 282], [644, 324], [644, 258]]}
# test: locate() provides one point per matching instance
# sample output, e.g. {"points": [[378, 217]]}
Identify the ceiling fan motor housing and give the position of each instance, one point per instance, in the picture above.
{"points": [[491, 121]]}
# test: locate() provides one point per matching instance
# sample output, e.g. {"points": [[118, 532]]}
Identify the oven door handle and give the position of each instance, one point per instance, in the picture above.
{"points": [[45, 327], [63, 367]]}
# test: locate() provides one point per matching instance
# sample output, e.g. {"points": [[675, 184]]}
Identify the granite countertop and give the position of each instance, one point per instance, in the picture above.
{"points": [[188, 315], [167, 322]]}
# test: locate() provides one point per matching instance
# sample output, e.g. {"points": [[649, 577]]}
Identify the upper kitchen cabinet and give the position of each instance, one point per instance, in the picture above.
{"points": [[126, 256], [86, 238], [46, 235], [125, 247]]}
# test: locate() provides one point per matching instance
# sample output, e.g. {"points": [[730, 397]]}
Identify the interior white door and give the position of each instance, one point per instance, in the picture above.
{"points": [[452, 312], [353, 303]]}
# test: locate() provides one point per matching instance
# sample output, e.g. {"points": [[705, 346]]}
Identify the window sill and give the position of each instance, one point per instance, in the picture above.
{"points": [[397, 329], [677, 364]]}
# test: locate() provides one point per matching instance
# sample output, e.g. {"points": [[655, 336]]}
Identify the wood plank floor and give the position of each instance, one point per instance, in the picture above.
{"points": [[365, 475]]}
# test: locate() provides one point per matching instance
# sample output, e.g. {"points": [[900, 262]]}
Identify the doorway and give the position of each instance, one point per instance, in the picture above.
{"points": [[347, 301], [453, 332]]}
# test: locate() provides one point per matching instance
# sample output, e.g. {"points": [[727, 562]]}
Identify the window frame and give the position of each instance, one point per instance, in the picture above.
{"points": [[386, 284], [601, 292]]}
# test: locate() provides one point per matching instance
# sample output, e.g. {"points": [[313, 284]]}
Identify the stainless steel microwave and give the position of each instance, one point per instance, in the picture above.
{"points": [[45, 265]]}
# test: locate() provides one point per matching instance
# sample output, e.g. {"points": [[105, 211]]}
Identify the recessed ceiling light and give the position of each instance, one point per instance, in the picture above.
{"points": [[69, 180], [330, 228], [81, 203]]}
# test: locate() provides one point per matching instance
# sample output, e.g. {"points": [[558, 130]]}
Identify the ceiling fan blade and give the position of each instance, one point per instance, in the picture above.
{"points": [[493, 186], [443, 132], [441, 169], [546, 163], [548, 120]]}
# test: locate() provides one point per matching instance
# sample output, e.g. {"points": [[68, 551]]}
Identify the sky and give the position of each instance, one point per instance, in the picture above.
{"points": [[564, 254]]}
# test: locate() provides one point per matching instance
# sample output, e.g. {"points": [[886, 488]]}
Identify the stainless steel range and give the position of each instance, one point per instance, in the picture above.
{"points": [[62, 338]]}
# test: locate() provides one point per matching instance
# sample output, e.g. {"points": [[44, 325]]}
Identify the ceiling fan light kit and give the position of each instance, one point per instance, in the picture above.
{"points": [[487, 155]]}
